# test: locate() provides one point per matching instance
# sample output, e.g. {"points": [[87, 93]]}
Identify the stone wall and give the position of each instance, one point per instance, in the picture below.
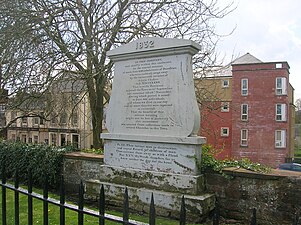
{"points": [[80, 166], [277, 196]]}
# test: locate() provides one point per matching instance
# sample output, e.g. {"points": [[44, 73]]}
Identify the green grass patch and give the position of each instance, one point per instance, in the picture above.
{"points": [[54, 212]]}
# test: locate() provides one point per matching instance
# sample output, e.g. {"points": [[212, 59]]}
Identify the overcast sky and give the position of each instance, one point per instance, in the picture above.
{"points": [[270, 30]]}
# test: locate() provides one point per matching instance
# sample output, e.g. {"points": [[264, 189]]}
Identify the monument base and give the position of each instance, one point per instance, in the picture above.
{"points": [[185, 184], [164, 166], [167, 204]]}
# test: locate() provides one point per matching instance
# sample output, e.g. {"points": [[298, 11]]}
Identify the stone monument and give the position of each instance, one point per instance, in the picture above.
{"points": [[153, 120]]}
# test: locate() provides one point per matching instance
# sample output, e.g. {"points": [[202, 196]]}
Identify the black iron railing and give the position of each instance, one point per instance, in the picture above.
{"points": [[81, 210]]}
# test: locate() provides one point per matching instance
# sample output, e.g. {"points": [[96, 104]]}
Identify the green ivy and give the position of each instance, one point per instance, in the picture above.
{"points": [[43, 161], [209, 162]]}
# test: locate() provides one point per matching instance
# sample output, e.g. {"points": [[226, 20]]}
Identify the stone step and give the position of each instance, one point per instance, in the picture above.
{"points": [[171, 182], [167, 204]]}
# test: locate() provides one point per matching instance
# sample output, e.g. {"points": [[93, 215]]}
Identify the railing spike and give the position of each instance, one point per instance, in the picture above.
{"points": [[62, 201], [45, 203], [126, 207], [183, 212], [3, 179], [152, 211], [254, 219], [17, 205], [101, 205], [29, 199], [81, 204], [216, 214]]}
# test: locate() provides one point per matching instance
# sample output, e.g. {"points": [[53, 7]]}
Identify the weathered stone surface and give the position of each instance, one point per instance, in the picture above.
{"points": [[153, 119], [153, 89], [178, 158], [167, 204], [80, 167], [178, 183], [276, 196]]}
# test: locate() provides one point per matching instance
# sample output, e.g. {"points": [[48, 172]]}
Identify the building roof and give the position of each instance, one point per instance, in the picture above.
{"points": [[246, 59]]}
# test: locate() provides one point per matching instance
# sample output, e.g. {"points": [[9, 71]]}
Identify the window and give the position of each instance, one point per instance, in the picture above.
{"points": [[281, 88], [280, 137], [35, 139], [280, 112], [63, 118], [244, 86], [23, 138], [225, 83], [53, 139], [224, 131], [35, 121], [42, 118], [24, 121], [225, 107], [74, 119], [278, 65], [244, 137], [244, 112]]}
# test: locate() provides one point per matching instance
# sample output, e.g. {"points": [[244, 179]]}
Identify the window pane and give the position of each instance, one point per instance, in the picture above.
{"points": [[278, 81]]}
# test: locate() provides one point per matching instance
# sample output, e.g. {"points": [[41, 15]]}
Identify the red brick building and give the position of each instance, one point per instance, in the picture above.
{"points": [[252, 110]]}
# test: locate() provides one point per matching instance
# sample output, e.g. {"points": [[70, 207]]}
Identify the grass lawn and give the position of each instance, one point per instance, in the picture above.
{"points": [[53, 210]]}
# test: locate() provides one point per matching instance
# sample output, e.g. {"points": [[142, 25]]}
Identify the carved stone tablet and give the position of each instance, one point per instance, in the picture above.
{"points": [[153, 89]]}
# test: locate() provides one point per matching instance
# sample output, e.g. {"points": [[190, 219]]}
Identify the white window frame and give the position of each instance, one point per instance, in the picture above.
{"points": [[244, 110], [244, 86], [225, 107], [243, 140], [225, 83], [281, 86], [226, 133], [280, 112], [280, 138], [278, 65]]}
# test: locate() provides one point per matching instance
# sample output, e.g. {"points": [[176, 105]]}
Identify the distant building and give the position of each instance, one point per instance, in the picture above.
{"points": [[60, 118], [3, 105], [250, 113]]}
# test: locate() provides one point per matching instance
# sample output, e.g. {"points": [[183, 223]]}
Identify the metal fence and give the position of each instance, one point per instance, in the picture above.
{"points": [[81, 211]]}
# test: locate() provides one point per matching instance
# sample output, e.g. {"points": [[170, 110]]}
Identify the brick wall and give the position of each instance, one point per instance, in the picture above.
{"points": [[261, 124]]}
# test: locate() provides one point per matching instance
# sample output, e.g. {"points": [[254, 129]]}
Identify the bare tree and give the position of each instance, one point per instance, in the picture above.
{"points": [[46, 40], [298, 104]]}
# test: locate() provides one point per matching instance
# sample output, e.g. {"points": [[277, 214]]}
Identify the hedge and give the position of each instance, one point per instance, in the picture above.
{"points": [[44, 161]]}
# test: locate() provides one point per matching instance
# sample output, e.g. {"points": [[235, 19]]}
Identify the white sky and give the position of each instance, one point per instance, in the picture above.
{"points": [[270, 30]]}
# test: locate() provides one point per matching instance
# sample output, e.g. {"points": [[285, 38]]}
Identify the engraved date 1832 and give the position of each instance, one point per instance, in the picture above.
{"points": [[145, 44]]}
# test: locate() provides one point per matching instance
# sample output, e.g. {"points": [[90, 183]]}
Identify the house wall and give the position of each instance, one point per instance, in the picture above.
{"points": [[261, 123], [52, 130], [212, 95]]}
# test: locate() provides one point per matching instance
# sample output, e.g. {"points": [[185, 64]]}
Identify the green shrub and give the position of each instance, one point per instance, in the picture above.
{"points": [[93, 150], [209, 162], [45, 162]]}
